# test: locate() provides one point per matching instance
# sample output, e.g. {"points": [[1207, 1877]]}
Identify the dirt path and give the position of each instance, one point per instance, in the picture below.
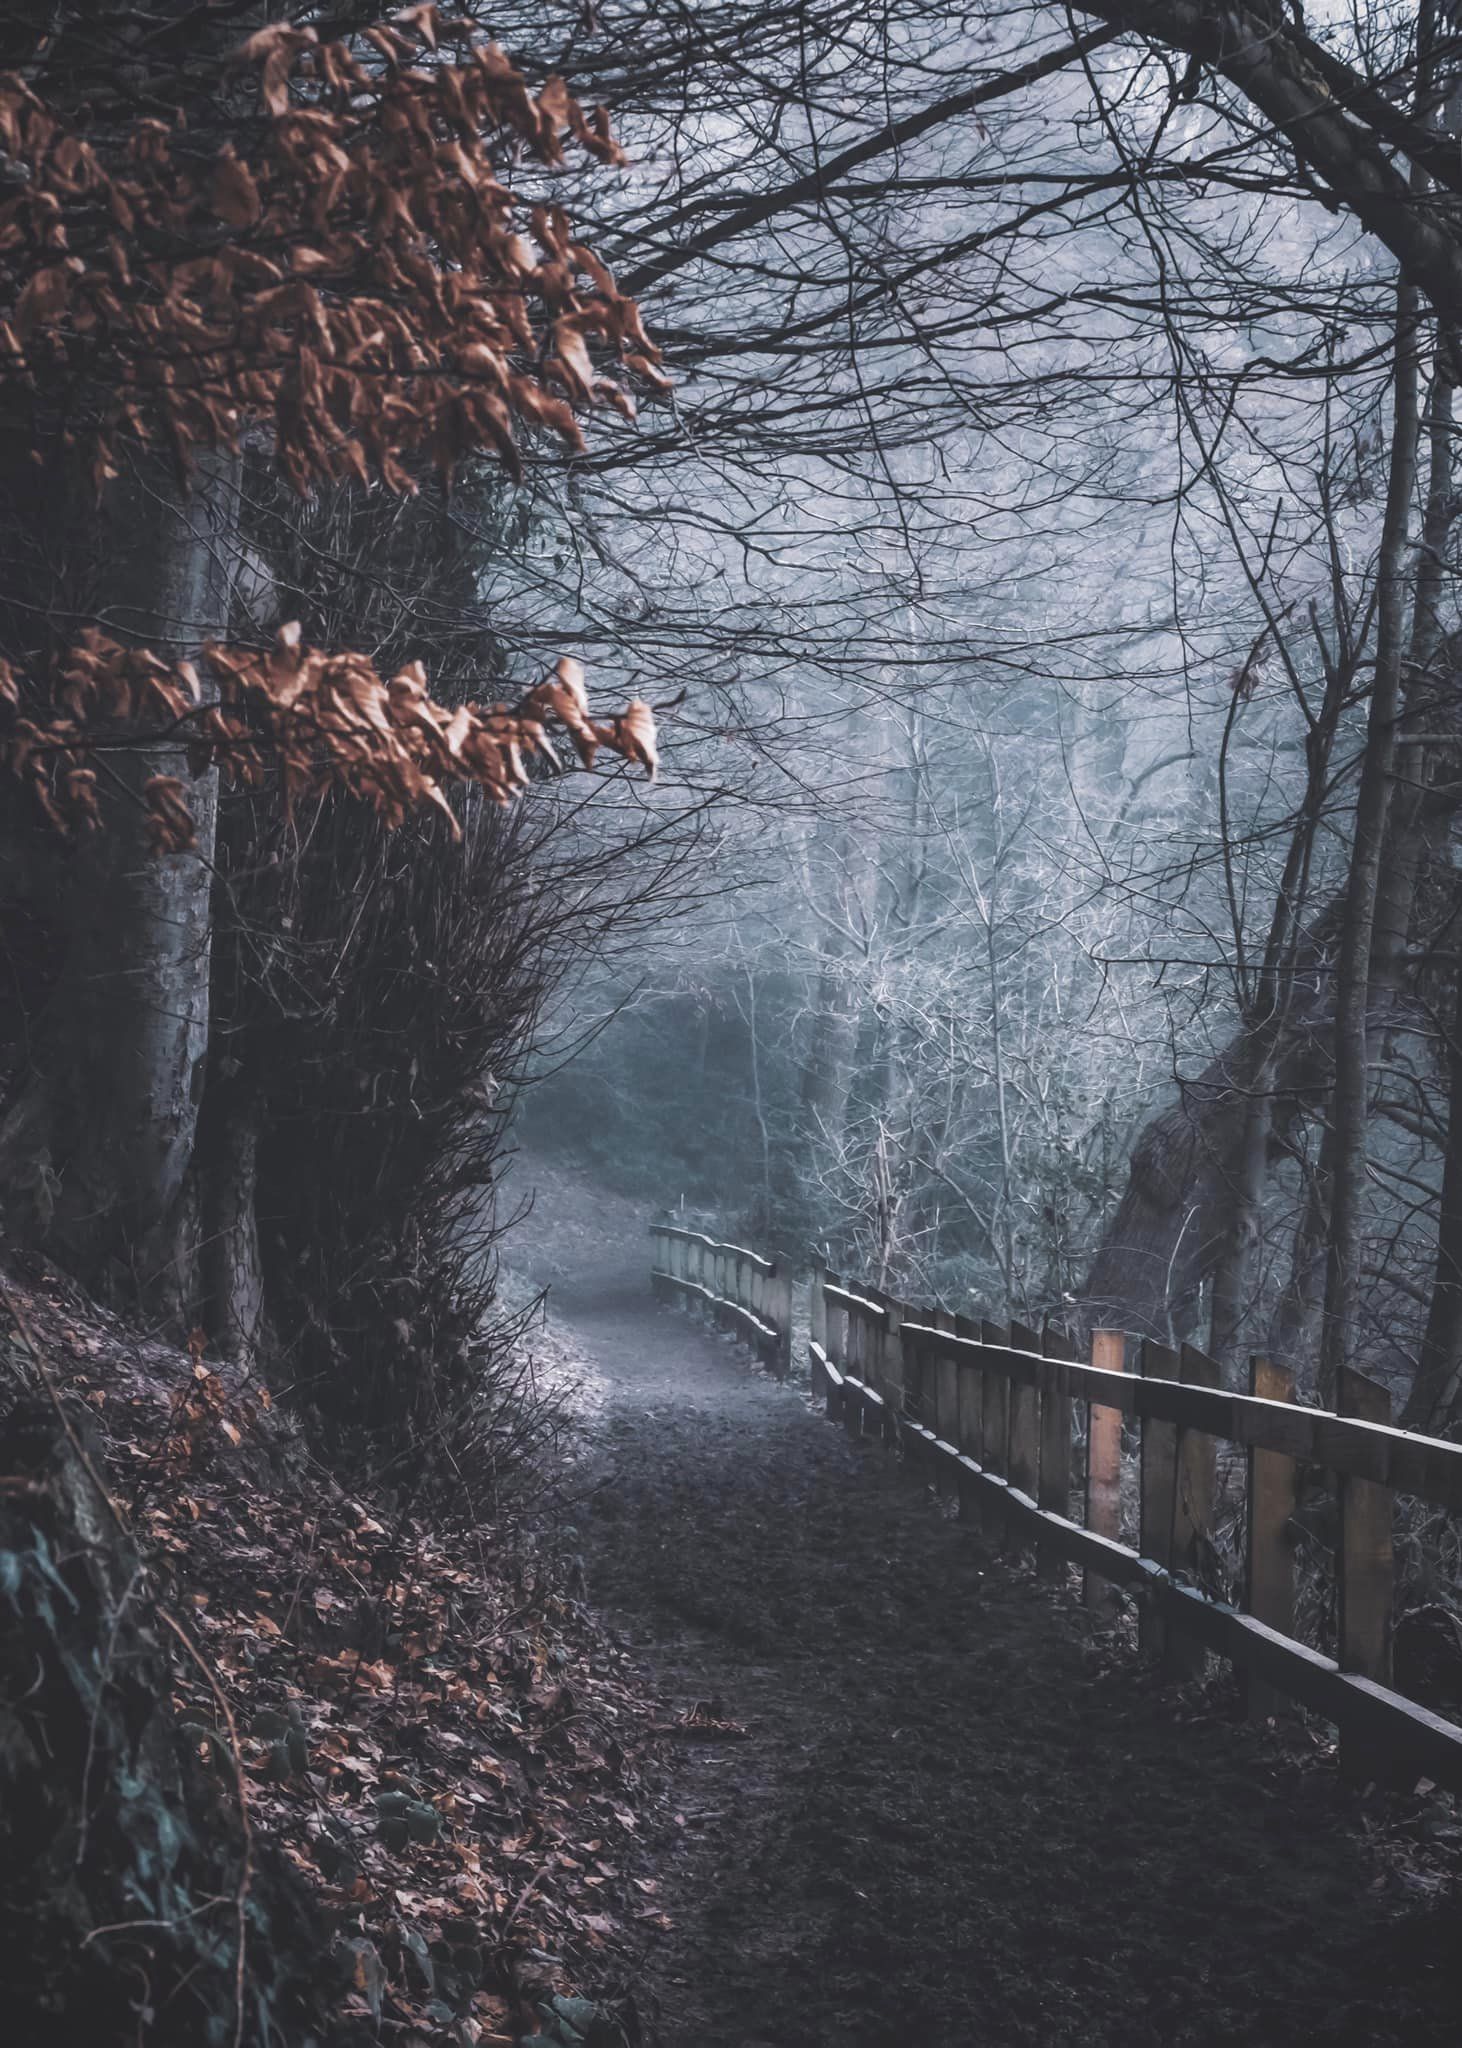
{"points": [[950, 1822]]}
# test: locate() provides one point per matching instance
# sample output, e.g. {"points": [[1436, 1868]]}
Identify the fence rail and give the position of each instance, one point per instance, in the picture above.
{"points": [[739, 1289], [992, 1415]]}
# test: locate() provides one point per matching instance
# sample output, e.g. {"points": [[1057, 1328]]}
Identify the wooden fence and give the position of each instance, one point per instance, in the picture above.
{"points": [[992, 1415], [738, 1289]]}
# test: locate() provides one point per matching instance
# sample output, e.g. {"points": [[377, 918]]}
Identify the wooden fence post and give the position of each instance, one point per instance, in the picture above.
{"points": [[1158, 1488], [1025, 1426], [905, 1360], [837, 1325], [1055, 1461], [1268, 1550], [919, 1375], [971, 1424], [1104, 1466], [1025, 1419], [872, 1366], [1365, 1567], [995, 1426], [853, 1348], [869, 1332], [787, 1277], [1193, 1511], [816, 1324], [945, 1419], [915, 1379], [891, 1368], [872, 1373]]}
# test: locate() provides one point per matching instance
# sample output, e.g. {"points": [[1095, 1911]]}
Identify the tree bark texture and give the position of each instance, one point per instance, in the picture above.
{"points": [[1350, 1102], [232, 1265], [99, 1141], [1435, 1401]]}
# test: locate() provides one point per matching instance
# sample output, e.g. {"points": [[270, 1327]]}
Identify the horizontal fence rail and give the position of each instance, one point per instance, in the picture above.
{"points": [[740, 1290], [1069, 1458]]}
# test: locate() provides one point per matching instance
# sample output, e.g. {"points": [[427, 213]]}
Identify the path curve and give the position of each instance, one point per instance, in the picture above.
{"points": [[952, 1820]]}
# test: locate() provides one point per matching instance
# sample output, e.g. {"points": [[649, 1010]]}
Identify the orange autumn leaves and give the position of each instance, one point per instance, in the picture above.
{"points": [[347, 273], [348, 269], [324, 722]]}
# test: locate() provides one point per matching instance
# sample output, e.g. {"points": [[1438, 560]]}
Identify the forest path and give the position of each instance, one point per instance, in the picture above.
{"points": [[950, 1821]]}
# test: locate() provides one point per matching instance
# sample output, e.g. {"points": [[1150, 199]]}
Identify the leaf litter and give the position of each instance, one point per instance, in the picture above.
{"points": [[433, 1728]]}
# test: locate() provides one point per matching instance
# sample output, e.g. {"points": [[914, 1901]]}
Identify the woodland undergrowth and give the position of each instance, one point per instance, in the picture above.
{"points": [[282, 1761]]}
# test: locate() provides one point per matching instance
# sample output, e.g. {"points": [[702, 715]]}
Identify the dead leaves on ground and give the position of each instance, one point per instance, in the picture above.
{"points": [[436, 1737], [323, 722], [451, 1776]]}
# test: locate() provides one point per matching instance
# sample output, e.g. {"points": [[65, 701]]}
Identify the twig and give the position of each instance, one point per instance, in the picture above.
{"points": [[61, 1416], [96, 1714], [125, 1926], [170, 1620], [246, 1876], [527, 1892]]}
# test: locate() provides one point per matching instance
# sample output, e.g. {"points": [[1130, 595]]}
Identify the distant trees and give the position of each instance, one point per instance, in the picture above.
{"points": [[1116, 433]]}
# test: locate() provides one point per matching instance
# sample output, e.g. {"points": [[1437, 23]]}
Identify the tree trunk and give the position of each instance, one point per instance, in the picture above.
{"points": [[1346, 1135], [1233, 1274], [1196, 1172], [1175, 1217], [232, 1266], [1190, 1208], [1338, 124], [1435, 1401], [105, 1124], [1417, 811], [827, 1066]]}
